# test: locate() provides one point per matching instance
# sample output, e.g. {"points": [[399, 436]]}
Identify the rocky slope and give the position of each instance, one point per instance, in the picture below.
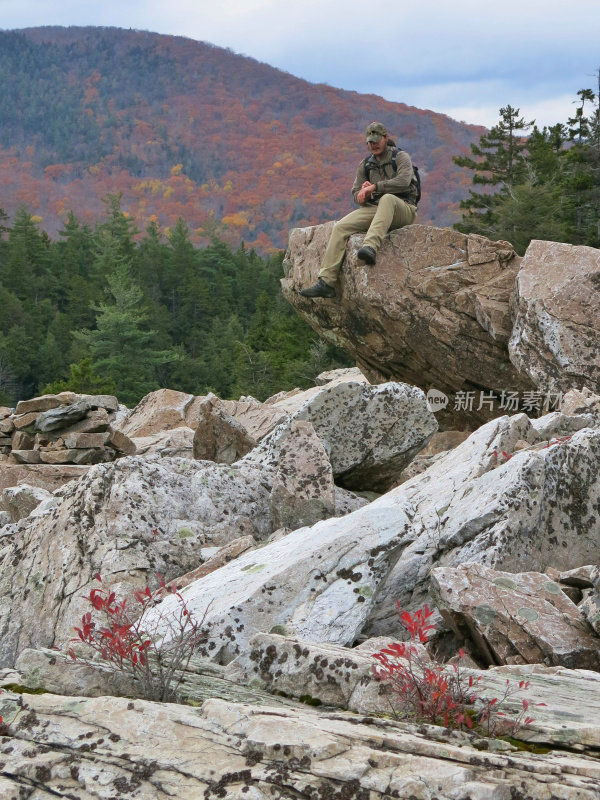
{"points": [[292, 528]]}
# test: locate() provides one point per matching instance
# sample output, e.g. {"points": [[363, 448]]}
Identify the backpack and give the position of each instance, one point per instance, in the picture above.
{"points": [[395, 150]]}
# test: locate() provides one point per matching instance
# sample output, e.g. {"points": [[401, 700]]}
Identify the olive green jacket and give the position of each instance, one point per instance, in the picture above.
{"points": [[387, 180]]}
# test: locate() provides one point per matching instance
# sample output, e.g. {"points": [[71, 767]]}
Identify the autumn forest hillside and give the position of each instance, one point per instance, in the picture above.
{"points": [[183, 129]]}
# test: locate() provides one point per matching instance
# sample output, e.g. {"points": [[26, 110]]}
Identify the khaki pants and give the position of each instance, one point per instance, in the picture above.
{"points": [[391, 212]]}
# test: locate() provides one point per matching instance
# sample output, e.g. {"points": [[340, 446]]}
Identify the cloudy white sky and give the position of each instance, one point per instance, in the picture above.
{"points": [[464, 58]]}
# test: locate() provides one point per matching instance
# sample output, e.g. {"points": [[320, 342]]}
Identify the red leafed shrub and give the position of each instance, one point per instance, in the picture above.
{"points": [[119, 633], [426, 691]]}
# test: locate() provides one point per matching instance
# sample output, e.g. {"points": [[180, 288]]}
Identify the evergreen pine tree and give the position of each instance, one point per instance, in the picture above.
{"points": [[581, 174], [26, 272], [123, 346], [83, 380], [546, 186], [498, 165]]}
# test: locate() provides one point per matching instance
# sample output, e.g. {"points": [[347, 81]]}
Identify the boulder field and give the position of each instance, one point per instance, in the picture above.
{"points": [[296, 527]]}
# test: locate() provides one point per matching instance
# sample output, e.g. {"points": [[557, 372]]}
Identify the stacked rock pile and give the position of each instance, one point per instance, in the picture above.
{"points": [[65, 428]]}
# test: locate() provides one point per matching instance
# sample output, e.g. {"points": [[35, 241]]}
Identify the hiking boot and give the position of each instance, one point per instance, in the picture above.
{"points": [[320, 289], [367, 254]]}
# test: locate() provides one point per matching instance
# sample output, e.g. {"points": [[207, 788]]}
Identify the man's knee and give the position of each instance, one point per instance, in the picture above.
{"points": [[388, 200], [394, 204], [403, 213], [356, 222]]}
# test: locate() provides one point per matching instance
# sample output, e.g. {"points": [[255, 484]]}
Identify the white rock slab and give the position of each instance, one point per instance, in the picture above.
{"points": [[317, 583]]}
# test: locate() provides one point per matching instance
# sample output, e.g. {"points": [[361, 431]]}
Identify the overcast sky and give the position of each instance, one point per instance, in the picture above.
{"points": [[464, 58]]}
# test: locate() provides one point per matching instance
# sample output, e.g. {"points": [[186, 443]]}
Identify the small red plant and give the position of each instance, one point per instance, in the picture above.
{"points": [[427, 691], [155, 662], [416, 624], [492, 719]]}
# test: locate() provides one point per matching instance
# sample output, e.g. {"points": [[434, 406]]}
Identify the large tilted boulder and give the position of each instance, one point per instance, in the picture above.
{"points": [[317, 583], [127, 521], [432, 312], [556, 332], [455, 313], [518, 495], [370, 433]]}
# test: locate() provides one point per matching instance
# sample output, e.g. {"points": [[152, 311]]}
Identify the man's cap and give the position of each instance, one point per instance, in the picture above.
{"points": [[375, 131]]}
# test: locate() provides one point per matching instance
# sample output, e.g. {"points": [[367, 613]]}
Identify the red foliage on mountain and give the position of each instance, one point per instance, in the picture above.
{"points": [[185, 129]]}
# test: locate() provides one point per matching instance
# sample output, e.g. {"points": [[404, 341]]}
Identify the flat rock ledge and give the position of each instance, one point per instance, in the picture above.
{"points": [[108, 747]]}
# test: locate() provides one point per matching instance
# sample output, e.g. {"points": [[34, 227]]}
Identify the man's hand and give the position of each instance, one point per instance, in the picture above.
{"points": [[365, 191]]}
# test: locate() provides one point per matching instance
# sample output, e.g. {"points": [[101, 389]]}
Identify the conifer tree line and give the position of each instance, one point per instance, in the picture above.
{"points": [[109, 310], [537, 184]]}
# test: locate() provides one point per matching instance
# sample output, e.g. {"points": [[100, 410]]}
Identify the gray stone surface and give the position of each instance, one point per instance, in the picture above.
{"points": [[534, 509], [317, 583], [174, 443], [325, 673], [25, 456], [564, 704], [303, 490], [556, 332], [127, 521], [73, 746], [369, 432], [514, 618], [62, 416]]}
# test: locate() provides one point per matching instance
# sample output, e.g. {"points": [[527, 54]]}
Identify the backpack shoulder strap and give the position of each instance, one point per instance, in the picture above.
{"points": [[369, 160]]}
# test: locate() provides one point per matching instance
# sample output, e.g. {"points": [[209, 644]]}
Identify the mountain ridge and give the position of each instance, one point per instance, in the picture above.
{"points": [[157, 118]]}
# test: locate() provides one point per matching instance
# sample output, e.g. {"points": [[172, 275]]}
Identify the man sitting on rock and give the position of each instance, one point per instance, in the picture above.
{"points": [[385, 188]]}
